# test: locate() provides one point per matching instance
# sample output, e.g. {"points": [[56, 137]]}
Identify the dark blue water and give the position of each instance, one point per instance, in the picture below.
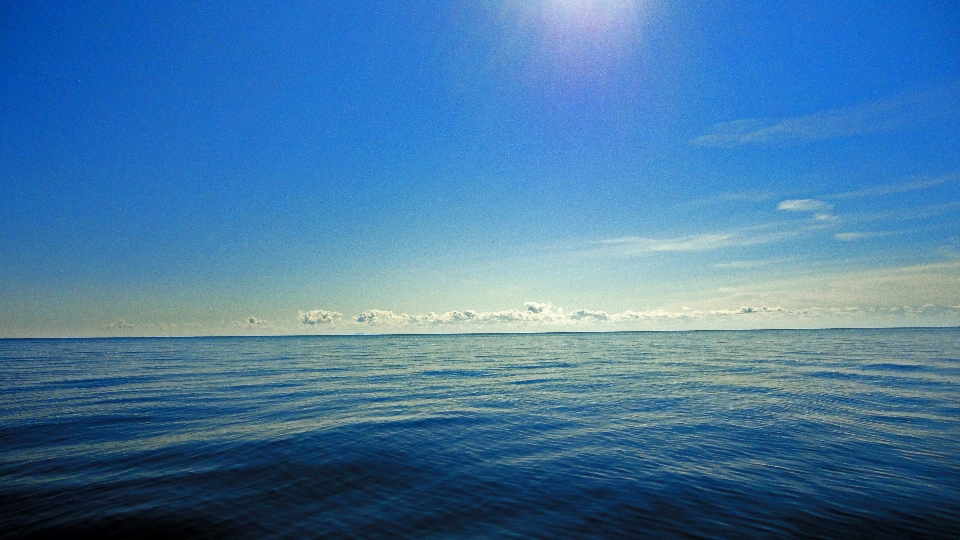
{"points": [[768, 434]]}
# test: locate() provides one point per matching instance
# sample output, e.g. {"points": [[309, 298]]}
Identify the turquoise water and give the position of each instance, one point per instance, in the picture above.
{"points": [[762, 434]]}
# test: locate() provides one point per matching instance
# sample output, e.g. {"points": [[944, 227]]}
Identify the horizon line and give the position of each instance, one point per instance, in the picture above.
{"points": [[395, 334]]}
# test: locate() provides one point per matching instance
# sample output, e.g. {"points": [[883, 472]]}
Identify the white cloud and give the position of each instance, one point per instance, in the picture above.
{"points": [[532, 312], [914, 183], [252, 322], [536, 310], [589, 315], [901, 111], [510, 315], [534, 307], [317, 316], [379, 316], [805, 205], [120, 324], [546, 316]]}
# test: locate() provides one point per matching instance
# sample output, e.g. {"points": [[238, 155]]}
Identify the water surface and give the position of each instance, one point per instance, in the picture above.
{"points": [[765, 434]]}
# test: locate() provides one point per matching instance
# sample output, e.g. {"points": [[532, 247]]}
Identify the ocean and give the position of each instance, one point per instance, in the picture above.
{"points": [[741, 434]]}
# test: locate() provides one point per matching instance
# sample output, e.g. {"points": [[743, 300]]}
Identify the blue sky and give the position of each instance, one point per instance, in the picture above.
{"points": [[338, 167]]}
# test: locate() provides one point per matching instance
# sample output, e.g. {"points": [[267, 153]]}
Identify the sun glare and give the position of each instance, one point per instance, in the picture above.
{"points": [[588, 14], [580, 32]]}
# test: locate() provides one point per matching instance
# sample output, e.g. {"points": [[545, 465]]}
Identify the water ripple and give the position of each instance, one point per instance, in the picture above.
{"points": [[779, 434]]}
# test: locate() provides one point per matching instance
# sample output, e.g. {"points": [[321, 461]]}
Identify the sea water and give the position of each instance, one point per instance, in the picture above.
{"points": [[753, 434]]}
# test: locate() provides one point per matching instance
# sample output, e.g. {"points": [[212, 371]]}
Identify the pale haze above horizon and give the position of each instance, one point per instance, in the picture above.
{"points": [[290, 167]]}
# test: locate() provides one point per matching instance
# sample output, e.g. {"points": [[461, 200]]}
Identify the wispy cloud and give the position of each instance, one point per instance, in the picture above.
{"points": [[935, 283], [850, 236], [854, 236], [743, 265], [699, 242], [732, 197], [918, 183], [898, 112], [804, 205], [820, 209], [695, 314], [746, 236], [914, 183], [904, 214]]}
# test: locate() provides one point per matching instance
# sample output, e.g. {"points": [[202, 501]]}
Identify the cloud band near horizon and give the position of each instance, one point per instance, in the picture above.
{"points": [[546, 314]]}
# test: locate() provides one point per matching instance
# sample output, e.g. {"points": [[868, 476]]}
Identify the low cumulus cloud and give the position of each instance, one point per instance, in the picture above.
{"points": [[866, 297], [543, 311], [253, 322], [534, 313], [318, 316], [589, 315], [120, 324], [379, 316]]}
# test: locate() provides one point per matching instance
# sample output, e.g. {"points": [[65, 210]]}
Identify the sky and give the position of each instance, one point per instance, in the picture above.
{"points": [[289, 167]]}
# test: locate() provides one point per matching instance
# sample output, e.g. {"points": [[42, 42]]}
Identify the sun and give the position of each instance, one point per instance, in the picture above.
{"points": [[587, 19], [580, 31], [589, 13]]}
